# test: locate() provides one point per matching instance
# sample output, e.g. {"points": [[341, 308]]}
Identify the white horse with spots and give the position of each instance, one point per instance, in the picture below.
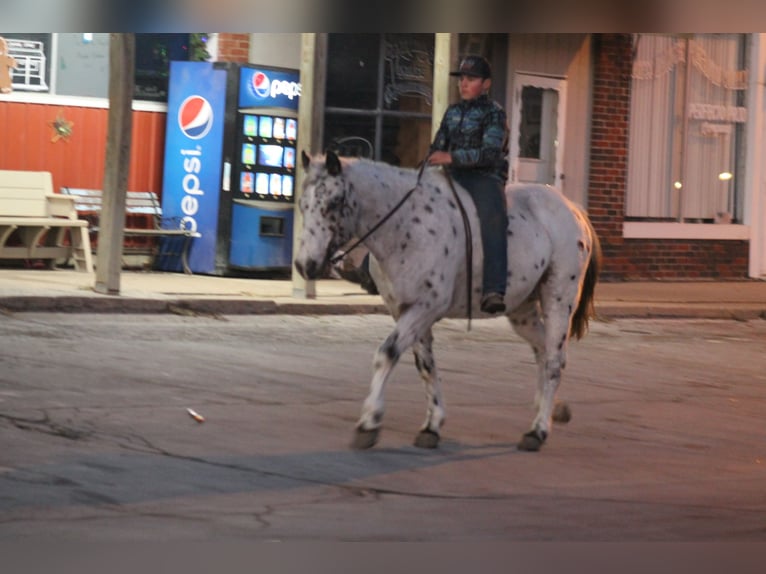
{"points": [[420, 254]]}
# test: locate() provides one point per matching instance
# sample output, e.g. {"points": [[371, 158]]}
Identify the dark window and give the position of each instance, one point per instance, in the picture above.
{"points": [[378, 96], [154, 52]]}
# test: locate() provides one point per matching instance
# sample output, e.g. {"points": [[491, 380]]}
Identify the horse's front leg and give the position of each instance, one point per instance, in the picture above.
{"points": [[368, 427], [409, 328], [428, 437]]}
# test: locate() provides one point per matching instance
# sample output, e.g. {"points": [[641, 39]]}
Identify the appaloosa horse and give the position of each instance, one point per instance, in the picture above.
{"points": [[420, 259]]}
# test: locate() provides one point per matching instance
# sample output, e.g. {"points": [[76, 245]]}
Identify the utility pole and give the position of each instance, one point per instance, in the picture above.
{"points": [[122, 49], [310, 128]]}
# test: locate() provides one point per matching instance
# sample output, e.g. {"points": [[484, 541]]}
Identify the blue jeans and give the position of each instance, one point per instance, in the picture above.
{"points": [[488, 194]]}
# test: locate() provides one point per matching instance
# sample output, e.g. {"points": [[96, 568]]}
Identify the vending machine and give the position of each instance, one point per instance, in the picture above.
{"points": [[230, 154]]}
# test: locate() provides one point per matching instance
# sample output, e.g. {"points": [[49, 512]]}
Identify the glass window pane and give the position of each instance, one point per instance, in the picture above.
{"points": [[409, 64], [32, 55], [531, 121], [714, 118], [350, 135], [154, 52], [686, 128], [352, 71], [405, 141]]}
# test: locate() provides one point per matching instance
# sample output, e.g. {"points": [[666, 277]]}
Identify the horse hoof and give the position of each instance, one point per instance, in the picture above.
{"points": [[364, 439], [427, 439], [532, 441], [562, 413]]}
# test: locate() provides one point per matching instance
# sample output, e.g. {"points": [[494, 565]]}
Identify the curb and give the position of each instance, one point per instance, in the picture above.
{"points": [[117, 305], [732, 311], [604, 312]]}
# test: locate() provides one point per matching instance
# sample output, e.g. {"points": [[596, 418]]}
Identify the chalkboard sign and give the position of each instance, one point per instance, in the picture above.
{"points": [[83, 65]]}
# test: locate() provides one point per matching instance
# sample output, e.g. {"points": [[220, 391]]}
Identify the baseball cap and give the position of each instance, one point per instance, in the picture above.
{"points": [[477, 66]]}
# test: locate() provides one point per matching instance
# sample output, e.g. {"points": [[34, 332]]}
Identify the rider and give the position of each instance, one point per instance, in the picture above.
{"points": [[472, 142]]}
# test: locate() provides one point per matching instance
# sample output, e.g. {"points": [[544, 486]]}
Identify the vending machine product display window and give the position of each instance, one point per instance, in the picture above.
{"points": [[267, 161]]}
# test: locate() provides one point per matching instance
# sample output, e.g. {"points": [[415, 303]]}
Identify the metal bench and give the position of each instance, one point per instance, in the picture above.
{"points": [[36, 223], [140, 207]]}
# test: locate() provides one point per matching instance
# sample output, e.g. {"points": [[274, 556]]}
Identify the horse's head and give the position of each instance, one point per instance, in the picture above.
{"points": [[325, 211]]}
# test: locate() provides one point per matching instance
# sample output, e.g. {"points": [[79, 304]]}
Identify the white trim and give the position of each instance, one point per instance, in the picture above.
{"points": [[52, 63], [670, 230], [755, 196], [78, 101]]}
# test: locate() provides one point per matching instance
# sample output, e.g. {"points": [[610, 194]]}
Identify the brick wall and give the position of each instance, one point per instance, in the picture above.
{"points": [[637, 258], [234, 47]]}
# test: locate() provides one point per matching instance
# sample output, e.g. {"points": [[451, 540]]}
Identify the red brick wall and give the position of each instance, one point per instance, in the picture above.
{"points": [[637, 258], [234, 47]]}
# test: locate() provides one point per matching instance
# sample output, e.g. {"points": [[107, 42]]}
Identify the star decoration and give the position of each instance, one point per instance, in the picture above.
{"points": [[62, 128]]}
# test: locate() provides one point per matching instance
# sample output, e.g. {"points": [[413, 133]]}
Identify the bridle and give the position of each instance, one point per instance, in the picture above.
{"points": [[466, 224]]}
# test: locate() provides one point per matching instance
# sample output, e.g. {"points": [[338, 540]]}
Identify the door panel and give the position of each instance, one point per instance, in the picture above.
{"points": [[537, 129]]}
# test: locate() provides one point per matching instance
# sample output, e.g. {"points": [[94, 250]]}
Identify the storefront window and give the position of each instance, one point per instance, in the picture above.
{"points": [[378, 99], [78, 64], [686, 128], [32, 54]]}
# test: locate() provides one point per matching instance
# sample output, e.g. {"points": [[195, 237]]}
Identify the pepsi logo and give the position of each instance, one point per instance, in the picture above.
{"points": [[195, 117], [261, 84]]}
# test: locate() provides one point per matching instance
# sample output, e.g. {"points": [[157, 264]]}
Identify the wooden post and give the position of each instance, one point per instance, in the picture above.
{"points": [[310, 131], [445, 53], [122, 49]]}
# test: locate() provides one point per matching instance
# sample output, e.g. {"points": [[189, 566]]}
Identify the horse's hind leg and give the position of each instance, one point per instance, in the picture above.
{"points": [[428, 437], [548, 342]]}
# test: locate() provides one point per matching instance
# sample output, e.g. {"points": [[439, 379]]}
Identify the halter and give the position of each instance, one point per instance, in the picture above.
{"points": [[466, 224]]}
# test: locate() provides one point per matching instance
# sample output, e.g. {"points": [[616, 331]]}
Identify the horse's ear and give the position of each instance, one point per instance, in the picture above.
{"points": [[332, 163], [305, 159]]}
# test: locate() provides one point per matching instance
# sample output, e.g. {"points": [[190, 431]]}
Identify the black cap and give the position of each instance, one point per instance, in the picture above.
{"points": [[477, 66]]}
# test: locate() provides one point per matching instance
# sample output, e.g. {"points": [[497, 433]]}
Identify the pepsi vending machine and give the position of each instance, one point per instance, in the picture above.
{"points": [[229, 172]]}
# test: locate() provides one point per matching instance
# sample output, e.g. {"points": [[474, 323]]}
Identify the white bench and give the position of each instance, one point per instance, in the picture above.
{"points": [[35, 223], [88, 203]]}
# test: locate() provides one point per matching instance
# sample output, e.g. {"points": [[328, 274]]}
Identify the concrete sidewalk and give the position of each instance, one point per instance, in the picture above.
{"points": [[64, 290]]}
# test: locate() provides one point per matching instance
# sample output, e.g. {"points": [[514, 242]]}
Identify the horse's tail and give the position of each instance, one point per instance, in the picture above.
{"points": [[586, 305]]}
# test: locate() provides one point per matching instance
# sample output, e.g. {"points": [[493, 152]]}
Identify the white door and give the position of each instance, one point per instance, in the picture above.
{"points": [[537, 129]]}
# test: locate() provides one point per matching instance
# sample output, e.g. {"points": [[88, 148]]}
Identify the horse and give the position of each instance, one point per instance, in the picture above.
{"points": [[425, 230]]}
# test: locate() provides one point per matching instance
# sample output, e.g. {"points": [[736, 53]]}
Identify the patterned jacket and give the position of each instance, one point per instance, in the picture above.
{"points": [[475, 132]]}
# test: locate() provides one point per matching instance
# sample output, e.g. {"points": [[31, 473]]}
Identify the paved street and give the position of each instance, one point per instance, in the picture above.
{"points": [[667, 440]]}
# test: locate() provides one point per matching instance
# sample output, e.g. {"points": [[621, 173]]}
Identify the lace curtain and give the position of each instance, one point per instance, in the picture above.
{"points": [[686, 113]]}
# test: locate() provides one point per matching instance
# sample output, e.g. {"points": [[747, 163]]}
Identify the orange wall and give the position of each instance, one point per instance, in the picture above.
{"points": [[27, 144]]}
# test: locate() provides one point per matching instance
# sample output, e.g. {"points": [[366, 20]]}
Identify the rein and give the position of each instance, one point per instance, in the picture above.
{"points": [[468, 248], [466, 225]]}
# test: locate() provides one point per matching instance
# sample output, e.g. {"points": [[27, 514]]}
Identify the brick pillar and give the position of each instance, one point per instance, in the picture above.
{"points": [[609, 143], [234, 47]]}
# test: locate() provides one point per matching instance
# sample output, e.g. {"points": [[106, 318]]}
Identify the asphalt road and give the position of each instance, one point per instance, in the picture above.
{"points": [[667, 440]]}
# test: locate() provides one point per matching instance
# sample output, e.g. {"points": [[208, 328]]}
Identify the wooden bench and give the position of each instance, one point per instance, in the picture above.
{"points": [[140, 206], [36, 223]]}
